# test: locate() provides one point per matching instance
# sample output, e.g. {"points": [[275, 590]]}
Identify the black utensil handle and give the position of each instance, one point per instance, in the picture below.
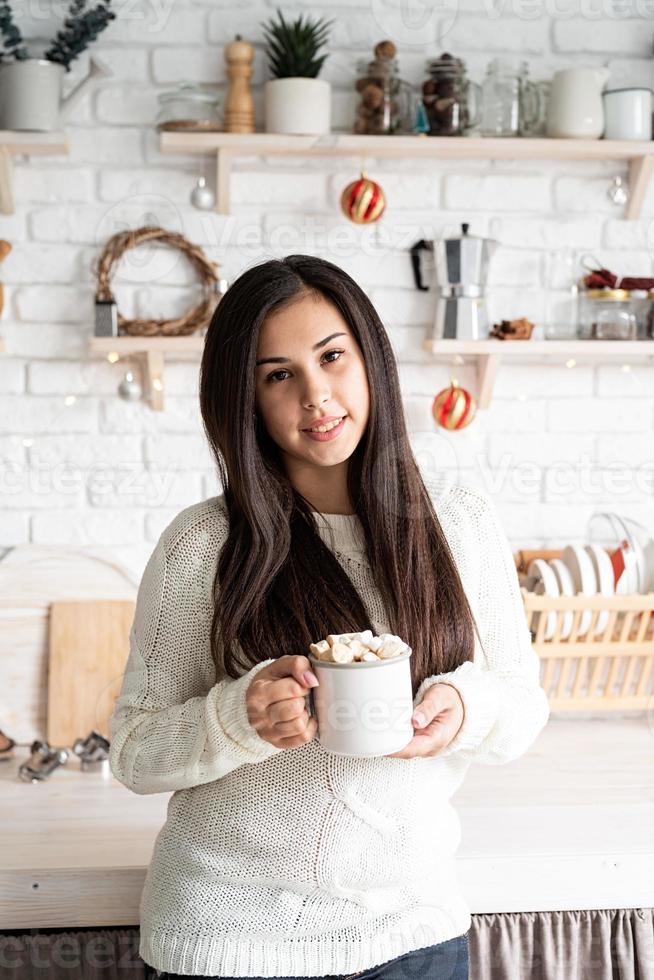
{"points": [[416, 249]]}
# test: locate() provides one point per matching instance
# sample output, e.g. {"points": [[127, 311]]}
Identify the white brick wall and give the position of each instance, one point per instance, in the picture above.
{"points": [[555, 445]]}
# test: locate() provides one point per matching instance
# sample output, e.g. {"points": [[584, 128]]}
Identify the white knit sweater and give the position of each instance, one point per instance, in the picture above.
{"points": [[295, 862]]}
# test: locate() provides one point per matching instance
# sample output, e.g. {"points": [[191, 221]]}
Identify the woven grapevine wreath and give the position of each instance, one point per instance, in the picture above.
{"points": [[192, 321]]}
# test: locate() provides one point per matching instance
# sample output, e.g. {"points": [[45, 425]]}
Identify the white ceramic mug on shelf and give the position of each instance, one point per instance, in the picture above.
{"points": [[628, 114], [363, 709]]}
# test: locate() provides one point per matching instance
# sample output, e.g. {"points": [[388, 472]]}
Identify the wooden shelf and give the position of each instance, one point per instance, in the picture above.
{"points": [[15, 143], [488, 354], [225, 146], [150, 352]]}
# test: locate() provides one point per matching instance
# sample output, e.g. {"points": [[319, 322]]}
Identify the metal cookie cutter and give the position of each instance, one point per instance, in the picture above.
{"points": [[93, 752], [42, 762]]}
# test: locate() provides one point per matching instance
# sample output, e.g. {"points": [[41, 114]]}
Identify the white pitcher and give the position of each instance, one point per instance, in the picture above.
{"points": [[575, 109], [31, 97]]}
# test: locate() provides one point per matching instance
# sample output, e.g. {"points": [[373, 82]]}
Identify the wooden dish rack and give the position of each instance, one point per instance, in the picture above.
{"points": [[610, 670]]}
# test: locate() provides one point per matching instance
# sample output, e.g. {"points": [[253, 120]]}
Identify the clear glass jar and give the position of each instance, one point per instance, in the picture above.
{"points": [[640, 306], [188, 108], [649, 328], [606, 314], [386, 102], [452, 102], [511, 103]]}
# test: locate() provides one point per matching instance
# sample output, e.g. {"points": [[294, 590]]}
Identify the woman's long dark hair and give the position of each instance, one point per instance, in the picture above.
{"points": [[278, 587]]}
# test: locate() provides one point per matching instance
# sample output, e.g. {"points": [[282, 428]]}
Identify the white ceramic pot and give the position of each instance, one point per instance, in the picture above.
{"points": [[300, 106], [628, 114], [575, 109]]}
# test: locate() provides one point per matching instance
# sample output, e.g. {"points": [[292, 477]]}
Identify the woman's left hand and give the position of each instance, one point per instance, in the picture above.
{"points": [[442, 710]]}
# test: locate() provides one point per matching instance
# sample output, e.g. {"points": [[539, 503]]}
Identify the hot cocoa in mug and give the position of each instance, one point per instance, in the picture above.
{"points": [[363, 707]]}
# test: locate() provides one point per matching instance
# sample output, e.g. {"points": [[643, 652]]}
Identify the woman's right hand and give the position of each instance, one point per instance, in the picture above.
{"points": [[276, 704]]}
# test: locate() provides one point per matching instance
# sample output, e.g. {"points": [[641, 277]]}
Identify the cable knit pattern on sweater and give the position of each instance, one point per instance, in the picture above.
{"points": [[294, 862]]}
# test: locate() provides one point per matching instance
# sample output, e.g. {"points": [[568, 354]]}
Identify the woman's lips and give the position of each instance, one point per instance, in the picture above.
{"points": [[326, 436]]}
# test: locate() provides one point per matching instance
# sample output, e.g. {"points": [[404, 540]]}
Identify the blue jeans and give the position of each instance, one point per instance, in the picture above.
{"points": [[445, 961]]}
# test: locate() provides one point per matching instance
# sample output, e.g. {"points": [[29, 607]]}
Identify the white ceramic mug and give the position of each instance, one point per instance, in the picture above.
{"points": [[628, 114], [363, 709]]}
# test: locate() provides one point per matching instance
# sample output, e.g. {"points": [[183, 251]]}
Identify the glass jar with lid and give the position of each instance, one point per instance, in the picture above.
{"points": [[386, 100], [188, 108], [452, 102], [606, 314]]}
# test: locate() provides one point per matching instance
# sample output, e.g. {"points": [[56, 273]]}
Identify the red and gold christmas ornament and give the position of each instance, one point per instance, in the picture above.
{"points": [[363, 201], [454, 407]]}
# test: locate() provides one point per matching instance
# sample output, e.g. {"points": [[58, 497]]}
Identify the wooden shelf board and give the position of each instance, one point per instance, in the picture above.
{"points": [[150, 352], [17, 142], [528, 349], [639, 154], [465, 147], [487, 355], [136, 345], [14, 143]]}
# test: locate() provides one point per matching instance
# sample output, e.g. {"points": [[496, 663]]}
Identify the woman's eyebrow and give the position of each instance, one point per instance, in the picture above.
{"points": [[285, 360]]}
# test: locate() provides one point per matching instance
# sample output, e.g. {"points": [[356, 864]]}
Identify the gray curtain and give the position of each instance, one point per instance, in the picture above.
{"points": [[611, 944]]}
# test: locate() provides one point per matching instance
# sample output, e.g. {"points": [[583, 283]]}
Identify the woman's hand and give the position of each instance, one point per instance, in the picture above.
{"points": [[276, 704], [443, 712]]}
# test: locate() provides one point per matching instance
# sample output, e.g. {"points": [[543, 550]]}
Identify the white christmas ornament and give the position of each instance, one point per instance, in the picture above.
{"points": [[202, 196]]}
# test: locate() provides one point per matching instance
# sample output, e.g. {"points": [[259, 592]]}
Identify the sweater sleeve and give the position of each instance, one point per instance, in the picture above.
{"points": [[505, 707], [170, 729]]}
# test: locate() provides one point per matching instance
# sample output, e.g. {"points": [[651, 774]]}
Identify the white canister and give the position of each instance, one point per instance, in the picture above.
{"points": [[628, 114], [363, 709]]}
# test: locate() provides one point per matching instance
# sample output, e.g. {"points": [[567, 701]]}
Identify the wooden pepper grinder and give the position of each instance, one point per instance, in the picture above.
{"points": [[239, 105]]}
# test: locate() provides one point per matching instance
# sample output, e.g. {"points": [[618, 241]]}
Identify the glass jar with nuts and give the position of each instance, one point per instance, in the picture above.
{"points": [[386, 101], [452, 102]]}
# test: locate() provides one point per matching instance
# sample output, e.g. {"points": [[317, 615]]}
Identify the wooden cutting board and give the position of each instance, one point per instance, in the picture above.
{"points": [[88, 650]]}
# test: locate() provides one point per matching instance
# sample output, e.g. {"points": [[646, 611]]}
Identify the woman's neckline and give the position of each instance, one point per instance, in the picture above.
{"points": [[341, 532]]}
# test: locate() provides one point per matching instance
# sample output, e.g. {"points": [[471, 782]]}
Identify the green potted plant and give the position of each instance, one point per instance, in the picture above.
{"points": [[296, 100], [31, 88]]}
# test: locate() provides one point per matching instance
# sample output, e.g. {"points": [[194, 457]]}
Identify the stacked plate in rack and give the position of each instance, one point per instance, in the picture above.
{"points": [[581, 570]]}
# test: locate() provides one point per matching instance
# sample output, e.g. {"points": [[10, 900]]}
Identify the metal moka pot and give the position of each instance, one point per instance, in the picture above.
{"points": [[461, 267]]}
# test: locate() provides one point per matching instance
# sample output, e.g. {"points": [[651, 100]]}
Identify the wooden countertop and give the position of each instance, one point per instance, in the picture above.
{"points": [[570, 825]]}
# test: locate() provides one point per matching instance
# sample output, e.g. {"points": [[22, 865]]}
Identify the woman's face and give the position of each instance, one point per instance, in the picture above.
{"points": [[314, 375]]}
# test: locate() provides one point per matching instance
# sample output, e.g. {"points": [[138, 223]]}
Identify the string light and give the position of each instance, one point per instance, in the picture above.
{"points": [[570, 363], [112, 357], [70, 400]]}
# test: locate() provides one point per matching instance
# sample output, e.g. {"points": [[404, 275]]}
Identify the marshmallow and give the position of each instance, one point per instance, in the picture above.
{"points": [[320, 649], [342, 653], [363, 647], [391, 648]]}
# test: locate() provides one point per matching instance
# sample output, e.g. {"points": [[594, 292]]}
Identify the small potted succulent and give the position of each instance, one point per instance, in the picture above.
{"points": [[296, 100], [31, 88]]}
